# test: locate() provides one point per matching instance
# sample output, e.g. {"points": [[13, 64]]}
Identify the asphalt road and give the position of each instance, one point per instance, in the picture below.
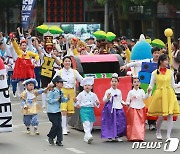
{"points": [[18, 142]]}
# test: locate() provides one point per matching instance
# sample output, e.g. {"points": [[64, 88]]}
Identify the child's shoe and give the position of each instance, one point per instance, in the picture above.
{"points": [[58, 143], [28, 130], [110, 140], [35, 131], [51, 141], [118, 139]]}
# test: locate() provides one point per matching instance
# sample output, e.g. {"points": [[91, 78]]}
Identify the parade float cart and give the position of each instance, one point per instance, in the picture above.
{"points": [[101, 67]]}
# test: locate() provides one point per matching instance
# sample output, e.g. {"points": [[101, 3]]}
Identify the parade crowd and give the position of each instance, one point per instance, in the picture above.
{"points": [[37, 66]]}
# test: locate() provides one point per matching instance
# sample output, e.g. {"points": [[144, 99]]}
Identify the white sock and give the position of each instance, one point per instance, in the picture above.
{"points": [[169, 125], [64, 122], [20, 88], [44, 97], [158, 124]]}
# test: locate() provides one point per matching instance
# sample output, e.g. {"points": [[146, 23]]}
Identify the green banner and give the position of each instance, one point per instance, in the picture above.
{"points": [[99, 75]]}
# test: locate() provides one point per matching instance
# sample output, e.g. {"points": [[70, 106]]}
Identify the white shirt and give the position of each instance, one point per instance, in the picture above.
{"points": [[87, 99], [117, 101], [137, 102], [68, 76]]}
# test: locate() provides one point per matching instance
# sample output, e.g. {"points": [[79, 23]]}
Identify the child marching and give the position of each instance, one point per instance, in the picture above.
{"points": [[54, 99], [136, 113], [30, 106], [86, 101], [113, 116]]}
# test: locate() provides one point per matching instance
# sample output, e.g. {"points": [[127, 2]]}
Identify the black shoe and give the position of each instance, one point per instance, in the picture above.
{"points": [[59, 143], [152, 127], [51, 141]]}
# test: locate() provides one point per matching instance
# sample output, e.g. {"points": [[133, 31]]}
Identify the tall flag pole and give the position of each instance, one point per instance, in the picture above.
{"points": [[26, 12]]}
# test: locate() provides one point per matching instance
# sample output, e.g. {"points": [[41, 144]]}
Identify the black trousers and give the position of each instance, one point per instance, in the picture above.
{"points": [[56, 129], [151, 122]]}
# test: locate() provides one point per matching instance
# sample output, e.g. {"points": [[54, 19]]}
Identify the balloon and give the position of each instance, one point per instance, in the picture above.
{"points": [[42, 29], [55, 30], [110, 36]]}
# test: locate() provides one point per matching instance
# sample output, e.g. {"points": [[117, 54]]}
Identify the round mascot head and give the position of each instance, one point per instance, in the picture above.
{"points": [[141, 50]]}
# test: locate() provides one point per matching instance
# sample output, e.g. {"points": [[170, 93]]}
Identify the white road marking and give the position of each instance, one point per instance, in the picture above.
{"points": [[15, 104], [75, 150]]}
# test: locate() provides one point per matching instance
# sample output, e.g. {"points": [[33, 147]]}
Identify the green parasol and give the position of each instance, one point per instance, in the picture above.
{"points": [[148, 41], [55, 30], [158, 43], [42, 29], [100, 34], [110, 36]]}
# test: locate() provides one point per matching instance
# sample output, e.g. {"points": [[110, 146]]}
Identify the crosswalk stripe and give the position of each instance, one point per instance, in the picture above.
{"points": [[75, 150]]}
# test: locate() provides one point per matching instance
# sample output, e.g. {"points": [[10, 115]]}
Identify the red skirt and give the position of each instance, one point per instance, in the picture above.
{"points": [[23, 69], [136, 124]]}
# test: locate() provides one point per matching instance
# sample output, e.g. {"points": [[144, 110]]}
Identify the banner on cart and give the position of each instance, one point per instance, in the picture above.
{"points": [[99, 75], [26, 12]]}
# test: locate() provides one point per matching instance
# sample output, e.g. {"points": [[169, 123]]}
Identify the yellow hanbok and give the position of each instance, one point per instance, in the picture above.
{"points": [[164, 101]]}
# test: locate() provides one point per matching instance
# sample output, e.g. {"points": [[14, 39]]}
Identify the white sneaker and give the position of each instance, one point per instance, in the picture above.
{"points": [[159, 136], [65, 132], [118, 139], [110, 140], [14, 95]]}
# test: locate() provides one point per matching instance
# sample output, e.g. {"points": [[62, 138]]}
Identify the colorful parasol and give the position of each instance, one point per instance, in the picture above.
{"points": [[42, 29], [148, 41], [100, 34], [110, 36], [55, 30], [158, 43]]}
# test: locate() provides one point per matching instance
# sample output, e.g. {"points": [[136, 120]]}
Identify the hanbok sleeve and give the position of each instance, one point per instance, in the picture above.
{"points": [[144, 96], [105, 99], [121, 98], [153, 80], [16, 48], [35, 55], [128, 99]]}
